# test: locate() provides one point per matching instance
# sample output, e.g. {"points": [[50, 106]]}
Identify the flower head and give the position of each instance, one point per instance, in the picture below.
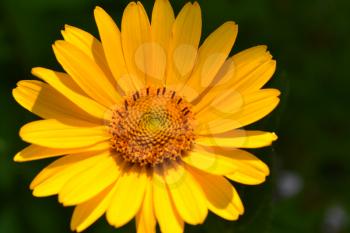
{"points": [[148, 123]]}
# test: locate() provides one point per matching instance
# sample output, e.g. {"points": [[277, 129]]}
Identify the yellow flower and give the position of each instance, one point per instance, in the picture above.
{"points": [[148, 123]]}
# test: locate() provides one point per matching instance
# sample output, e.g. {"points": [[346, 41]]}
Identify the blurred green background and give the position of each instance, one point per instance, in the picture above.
{"points": [[308, 190]]}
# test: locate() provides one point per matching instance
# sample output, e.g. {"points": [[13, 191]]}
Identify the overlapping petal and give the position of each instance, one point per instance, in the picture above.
{"points": [[251, 66], [52, 178], [86, 73], [91, 182], [165, 211], [66, 86], [183, 48], [128, 197], [89, 45], [186, 193], [88, 212], [211, 56], [136, 39], [239, 111], [41, 99], [162, 22], [222, 198], [145, 218], [236, 164], [112, 46]]}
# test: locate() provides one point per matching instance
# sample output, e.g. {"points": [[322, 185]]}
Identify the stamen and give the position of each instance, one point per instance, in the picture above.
{"points": [[126, 104], [119, 113]]}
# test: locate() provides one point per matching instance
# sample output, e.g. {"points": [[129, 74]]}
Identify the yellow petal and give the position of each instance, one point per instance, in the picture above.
{"points": [[237, 201], [128, 196], [161, 31], [46, 102], [112, 46], [237, 165], [89, 183], [218, 86], [183, 46], [238, 139], [88, 212], [165, 211], [248, 174], [186, 193], [242, 64], [88, 44], [239, 69], [219, 193], [63, 84], [250, 60], [87, 74], [244, 110], [162, 22], [231, 101], [136, 37], [145, 218], [35, 152], [256, 79], [211, 56], [54, 134], [52, 178], [211, 160], [245, 57]]}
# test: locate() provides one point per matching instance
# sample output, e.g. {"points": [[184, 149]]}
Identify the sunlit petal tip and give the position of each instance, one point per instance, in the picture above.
{"points": [[100, 12], [14, 91], [232, 24], [68, 27], [274, 136], [77, 228], [65, 204], [273, 64], [59, 43], [232, 28], [64, 33], [22, 132], [275, 92], [34, 70], [130, 4], [35, 193], [263, 47], [98, 8], [18, 158], [66, 30], [197, 8], [196, 4]]}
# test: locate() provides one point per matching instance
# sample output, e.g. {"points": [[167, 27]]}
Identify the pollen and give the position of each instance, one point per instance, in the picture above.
{"points": [[152, 125]]}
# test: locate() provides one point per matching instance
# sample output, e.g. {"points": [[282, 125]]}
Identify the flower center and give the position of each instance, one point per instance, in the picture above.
{"points": [[154, 125]]}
